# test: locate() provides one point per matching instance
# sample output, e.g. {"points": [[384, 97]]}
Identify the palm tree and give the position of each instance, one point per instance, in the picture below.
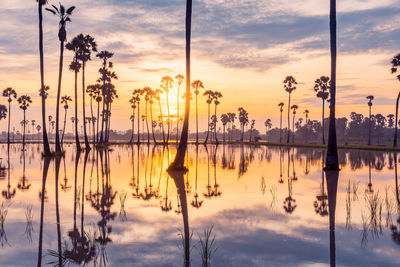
{"points": [[133, 101], [289, 85], [280, 126], [197, 85], [253, 123], [306, 112], [216, 96], [24, 102], [137, 93], [166, 84], [224, 120], [153, 122], [157, 93], [180, 79], [294, 107], [322, 88], [10, 94], [210, 97], [232, 117], [395, 65], [268, 125], [105, 78], [64, 100], [147, 94], [43, 92], [370, 98], [76, 66], [178, 163], [94, 91], [244, 120], [63, 15], [87, 45]]}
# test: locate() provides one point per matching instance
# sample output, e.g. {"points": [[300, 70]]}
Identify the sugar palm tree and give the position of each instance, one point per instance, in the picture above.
{"points": [[332, 159], [322, 88], [306, 112], [64, 100], [24, 102], [10, 93], [133, 101], [395, 65], [294, 107], [268, 125], [197, 85], [166, 85], [216, 96], [75, 66], [43, 93], [147, 94], [252, 124], [180, 79], [280, 125], [210, 97], [289, 85], [232, 117], [152, 96], [64, 16], [178, 163], [224, 120], [370, 98], [136, 94], [244, 120], [94, 91]]}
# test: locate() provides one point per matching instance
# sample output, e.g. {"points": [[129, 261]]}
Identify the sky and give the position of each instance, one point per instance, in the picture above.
{"points": [[242, 48]]}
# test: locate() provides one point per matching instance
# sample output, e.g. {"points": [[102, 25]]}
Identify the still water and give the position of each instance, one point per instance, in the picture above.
{"points": [[265, 206]]}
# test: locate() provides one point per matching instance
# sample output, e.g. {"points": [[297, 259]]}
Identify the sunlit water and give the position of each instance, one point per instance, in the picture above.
{"points": [[267, 207]]}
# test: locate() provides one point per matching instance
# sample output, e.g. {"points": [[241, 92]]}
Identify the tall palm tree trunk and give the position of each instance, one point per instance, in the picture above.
{"points": [[93, 123], [396, 121], [369, 127], [87, 146], [294, 115], [9, 118], [44, 178], [63, 132], [97, 122], [102, 121], [288, 122], [58, 162], [215, 126], [23, 136], [224, 133], [133, 126], [208, 124], [162, 120], [323, 121], [60, 69], [147, 126], [152, 128], [169, 119], [332, 159], [179, 160], [46, 146], [108, 123], [197, 123], [280, 131], [78, 146], [138, 124], [177, 116]]}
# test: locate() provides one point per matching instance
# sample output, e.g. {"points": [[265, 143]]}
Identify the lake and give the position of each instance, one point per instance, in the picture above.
{"points": [[259, 206]]}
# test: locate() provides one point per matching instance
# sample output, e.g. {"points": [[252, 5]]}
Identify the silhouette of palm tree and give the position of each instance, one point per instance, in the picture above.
{"points": [[280, 125], [268, 125], [197, 85], [43, 94], [370, 98], [64, 16], [322, 88], [10, 93], [42, 200], [244, 120], [24, 184], [180, 79], [136, 94], [210, 96], [94, 92], [64, 100], [178, 163], [224, 120], [232, 117], [332, 159], [216, 96], [289, 84], [294, 107], [24, 102], [166, 85]]}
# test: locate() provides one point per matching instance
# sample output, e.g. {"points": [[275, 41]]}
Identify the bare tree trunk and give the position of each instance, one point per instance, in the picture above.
{"points": [[288, 122], [208, 124], [60, 69], [78, 146], [87, 146]]}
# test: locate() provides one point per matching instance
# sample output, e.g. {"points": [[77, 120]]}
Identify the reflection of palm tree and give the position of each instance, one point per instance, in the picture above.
{"points": [[332, 178], [369, 190], [280, 166], [24, 184], [60, 263], [8, 194], [289, 205], [196, 203], [320, 204], [178, 178], [209, 192], [197, 85], [216, 192], [44, 178]]}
